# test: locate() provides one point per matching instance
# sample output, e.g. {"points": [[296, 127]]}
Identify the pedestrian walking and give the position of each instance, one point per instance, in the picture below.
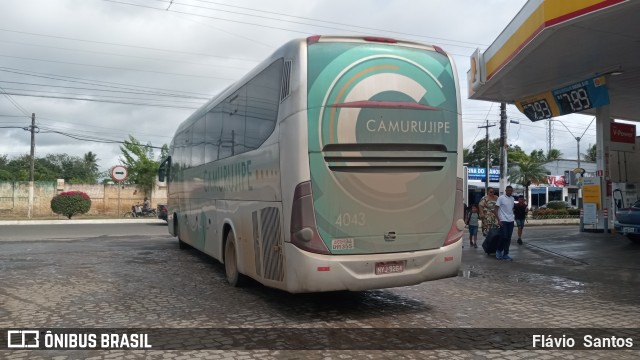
{"points": [[504, 212], [487, 213], [520, 211], [472, 221]]}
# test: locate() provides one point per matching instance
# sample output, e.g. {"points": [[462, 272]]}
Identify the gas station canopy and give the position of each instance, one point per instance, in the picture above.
{"points": [[561, 56]]}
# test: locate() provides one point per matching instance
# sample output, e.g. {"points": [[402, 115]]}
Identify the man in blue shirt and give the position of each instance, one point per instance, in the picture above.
{"points": [[504, 211]]}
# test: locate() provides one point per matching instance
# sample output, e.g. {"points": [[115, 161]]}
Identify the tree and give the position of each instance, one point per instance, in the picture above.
{"points": [[90, 162], [528, 171], [70, 168], [478, 156], [538, 156], [591, 154], [49, 168], [138, 159], [515, 154], [554, 154], [4, 174]]}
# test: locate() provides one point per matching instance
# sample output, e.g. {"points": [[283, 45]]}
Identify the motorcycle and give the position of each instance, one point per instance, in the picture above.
{"points": [[138, 210]]}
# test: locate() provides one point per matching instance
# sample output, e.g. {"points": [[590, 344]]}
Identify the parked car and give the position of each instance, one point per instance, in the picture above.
{"points": [[628, 222], [162, 211], [557, 205]]}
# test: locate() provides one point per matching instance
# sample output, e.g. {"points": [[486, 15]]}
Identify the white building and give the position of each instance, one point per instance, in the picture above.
{"points": [[561, 184]]}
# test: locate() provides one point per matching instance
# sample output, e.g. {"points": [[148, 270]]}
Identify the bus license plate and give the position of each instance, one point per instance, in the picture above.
{"points": [[628, 230], [389, 267]]}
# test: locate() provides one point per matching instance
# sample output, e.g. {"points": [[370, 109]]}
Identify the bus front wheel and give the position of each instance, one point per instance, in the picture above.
{"points": [[234, 278]]}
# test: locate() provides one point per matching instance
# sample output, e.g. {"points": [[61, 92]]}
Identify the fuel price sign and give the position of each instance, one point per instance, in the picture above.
{"points": [[581, 96]]}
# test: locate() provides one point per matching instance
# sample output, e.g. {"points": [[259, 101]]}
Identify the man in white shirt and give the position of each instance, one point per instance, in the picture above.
{"points": [[504, 211]]}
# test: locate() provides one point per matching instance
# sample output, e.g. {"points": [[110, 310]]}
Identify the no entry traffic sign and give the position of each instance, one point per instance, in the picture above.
{"points": [[119, 173]]}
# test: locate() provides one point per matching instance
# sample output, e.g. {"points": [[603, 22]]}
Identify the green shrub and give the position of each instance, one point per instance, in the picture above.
{"points": [[552, 213], [70, 203], [557, 205], [574, 211]]}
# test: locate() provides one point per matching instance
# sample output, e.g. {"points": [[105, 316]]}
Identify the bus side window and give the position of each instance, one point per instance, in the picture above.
{"points": [[232, 141], [186, 147], [213, 128], [178, 150], [197, 151], [263, 94]]}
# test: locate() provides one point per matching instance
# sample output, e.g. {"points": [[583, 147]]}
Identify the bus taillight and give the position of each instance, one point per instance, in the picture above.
{"points": [[380, 39], [304, 233], [313, 39], [457, 225]]}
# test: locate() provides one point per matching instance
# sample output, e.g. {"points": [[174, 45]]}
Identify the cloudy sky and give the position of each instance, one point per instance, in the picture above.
{"points": [[142, 69]]}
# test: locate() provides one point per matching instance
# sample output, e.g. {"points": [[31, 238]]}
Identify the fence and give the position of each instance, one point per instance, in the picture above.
{"points": [[106, 200]]}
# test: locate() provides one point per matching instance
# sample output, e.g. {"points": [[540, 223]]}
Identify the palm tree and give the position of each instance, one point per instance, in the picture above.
{"points": [[554, 154], [528, 171], [90, 162], [590, 155]]}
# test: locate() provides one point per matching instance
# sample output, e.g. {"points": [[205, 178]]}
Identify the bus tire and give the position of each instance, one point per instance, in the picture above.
{"points": [[234, 278], [176, 227]]}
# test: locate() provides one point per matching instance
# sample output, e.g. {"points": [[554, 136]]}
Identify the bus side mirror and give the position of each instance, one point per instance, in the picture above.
{"points": [[163, 170]]}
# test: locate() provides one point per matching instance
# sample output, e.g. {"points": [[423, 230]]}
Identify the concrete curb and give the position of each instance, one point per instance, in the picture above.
{"points": [[84, 221], [531, 222]]}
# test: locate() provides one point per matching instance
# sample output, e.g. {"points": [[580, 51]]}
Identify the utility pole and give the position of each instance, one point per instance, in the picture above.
{"points": [[503, 147], [32, 160], [486, 182], [550, 136]]}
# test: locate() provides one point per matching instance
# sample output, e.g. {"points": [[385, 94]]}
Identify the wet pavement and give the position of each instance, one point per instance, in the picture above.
{"points": [[138, 278]]}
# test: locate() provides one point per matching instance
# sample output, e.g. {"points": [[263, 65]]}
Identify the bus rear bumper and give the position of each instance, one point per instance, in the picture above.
{"points": [[310, 272]]}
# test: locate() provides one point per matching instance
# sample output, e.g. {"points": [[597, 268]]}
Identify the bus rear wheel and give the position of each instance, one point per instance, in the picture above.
{"points": [[234, 278]]}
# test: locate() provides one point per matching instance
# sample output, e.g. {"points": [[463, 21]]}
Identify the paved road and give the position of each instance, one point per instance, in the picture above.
{"points": [[134, 276]]}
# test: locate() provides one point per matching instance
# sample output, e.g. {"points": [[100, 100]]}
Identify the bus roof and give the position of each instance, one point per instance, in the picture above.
{"points": [[290, 50]]}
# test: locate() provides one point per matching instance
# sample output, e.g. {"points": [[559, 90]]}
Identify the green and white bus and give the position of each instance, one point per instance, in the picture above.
{"points": [[336, 164]]}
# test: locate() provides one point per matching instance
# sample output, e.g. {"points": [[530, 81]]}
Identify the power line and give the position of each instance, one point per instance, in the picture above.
{"points": [[115, 67], [343, 24], [211, 17], [94, 139], [102, 90], [97, 95], [315, 25], [113, 85], [113, 131], [105, 101], [129, 46], [121, 55], [13, 102]]}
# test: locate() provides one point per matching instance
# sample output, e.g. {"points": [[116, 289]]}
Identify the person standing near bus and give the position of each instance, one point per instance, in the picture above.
{"points": [[504, 212], [472, 222], [520, 211], [486, 211]]}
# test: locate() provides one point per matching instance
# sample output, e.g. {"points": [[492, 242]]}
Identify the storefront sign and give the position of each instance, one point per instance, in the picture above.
{"points": [[478, 173]]}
